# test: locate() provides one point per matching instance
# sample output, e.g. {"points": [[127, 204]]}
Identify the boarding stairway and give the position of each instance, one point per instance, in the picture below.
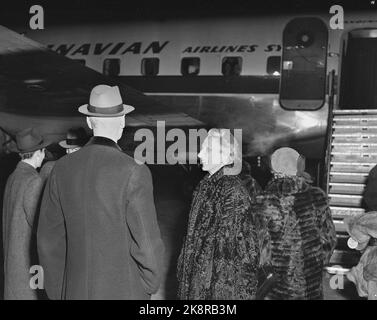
{"points": [[352, 154]]}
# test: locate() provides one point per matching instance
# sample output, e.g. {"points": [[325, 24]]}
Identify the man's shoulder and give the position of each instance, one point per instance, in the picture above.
{"points": [[48, 164], [25, 175], [120, 159], [24, 180], [47, 167], [114, 157]]}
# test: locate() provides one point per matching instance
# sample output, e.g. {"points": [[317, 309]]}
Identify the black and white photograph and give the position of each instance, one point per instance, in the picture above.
{"points": [[204, 151]]}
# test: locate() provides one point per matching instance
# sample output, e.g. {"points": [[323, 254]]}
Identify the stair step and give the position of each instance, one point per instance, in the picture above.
{"points": [[364, 174], [355, 111], [345, 200], [350, 144], [354, 119], [351, 168], [351, 123], [355, 135], [340, 226], [345, 196], [342, 212], [358, 127], [357, 164], [335, 269], [348, 185], [354, 153], [354, 147], [347, 188], [347, 177], [353, 157], [348, 138], [351, 153], [354, 129]]}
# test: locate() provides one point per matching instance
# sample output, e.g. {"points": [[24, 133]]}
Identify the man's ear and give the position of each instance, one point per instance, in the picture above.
{"points": [[89, 123]]}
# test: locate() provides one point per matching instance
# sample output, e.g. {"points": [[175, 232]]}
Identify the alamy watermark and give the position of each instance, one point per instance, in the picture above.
{"points": [[337, 20], [185, 147], [37, 280], [337, 280], [36, 22]]}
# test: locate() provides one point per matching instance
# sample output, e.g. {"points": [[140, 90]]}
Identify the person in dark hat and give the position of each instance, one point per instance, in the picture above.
{"points": [[76, 138], [98, 236], [21, 199]]}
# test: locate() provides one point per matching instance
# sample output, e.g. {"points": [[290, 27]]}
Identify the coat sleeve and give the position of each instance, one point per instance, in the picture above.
{"points": [[146, 247], [32, 200], [51, 239]]}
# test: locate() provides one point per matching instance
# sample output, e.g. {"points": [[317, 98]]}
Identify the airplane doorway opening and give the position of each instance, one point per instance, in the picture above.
{"points": [[358, 88]]}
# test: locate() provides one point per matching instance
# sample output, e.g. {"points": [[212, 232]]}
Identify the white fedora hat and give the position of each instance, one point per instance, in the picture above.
{"points": [[105, 101]]}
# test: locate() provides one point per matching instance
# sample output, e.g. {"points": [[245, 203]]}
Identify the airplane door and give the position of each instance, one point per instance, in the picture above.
{"points": [[358, 86], [303, 69]]}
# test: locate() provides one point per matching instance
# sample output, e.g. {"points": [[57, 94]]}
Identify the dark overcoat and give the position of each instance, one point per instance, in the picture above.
{"points": [[46, 170], [219, 258], [20, 207], [98, 236]]}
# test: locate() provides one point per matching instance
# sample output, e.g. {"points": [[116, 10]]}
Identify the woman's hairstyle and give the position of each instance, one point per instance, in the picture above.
{"points": [[228, 142]]}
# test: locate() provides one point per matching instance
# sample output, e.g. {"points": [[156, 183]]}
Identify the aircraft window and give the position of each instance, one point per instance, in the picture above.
{"points": [[273, 65], [81, 61], [150, 66], [111, 67], [231, 66], [190, 66]]}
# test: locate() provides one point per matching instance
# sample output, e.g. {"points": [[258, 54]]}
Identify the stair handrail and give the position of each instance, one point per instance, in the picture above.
{"points": [[330, 121]]}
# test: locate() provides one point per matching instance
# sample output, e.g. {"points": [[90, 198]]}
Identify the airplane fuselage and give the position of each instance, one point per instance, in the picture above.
{"points": [[185, 64]]}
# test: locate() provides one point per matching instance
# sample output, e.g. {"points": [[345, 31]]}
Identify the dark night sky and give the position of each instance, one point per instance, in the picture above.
{"points": [[69, 11]]}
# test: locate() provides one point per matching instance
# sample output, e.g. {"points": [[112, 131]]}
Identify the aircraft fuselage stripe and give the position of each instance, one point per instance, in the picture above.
{"points": [[204, 84]]}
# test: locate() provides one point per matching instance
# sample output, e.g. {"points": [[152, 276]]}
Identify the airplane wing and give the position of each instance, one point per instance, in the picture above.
{"points": [[37, 84]]}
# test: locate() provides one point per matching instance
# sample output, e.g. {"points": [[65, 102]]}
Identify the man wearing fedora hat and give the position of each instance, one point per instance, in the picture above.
{"points": [[21, 199], [76, 138], [98, 236]]}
